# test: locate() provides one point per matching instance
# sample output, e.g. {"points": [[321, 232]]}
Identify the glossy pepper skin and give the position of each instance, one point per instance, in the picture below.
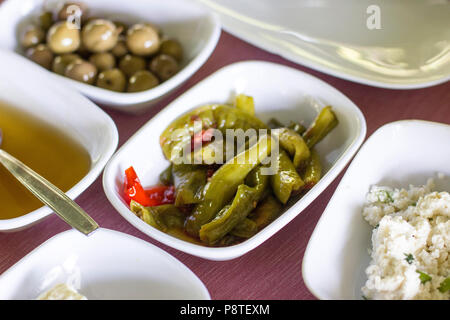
{"points": [[313, 170], [246, 228], [228, 117], [233, 219], [166, 176], [297, 127], [230, 215], [224, 183], [322, 125], [163, 217], [211, 153], [294, 144], [267, 211], [260, 182], [245, 103], [256, 179], [230, 202], [179, 133], [286, 179], [189, 181]]}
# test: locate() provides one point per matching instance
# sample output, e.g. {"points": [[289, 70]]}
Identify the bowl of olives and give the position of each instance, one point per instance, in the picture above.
{"points": [[125, 56]]}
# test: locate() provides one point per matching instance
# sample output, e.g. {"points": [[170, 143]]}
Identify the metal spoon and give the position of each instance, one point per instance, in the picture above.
{"points": [[46, 192]]}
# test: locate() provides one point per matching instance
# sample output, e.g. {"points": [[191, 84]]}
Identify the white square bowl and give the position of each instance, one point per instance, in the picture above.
{"points": [[197, 29], [397, 154], [107, 265], [280, 92], [27, 87]]}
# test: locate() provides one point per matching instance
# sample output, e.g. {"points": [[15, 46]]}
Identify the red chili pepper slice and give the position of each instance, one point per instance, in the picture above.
{"points": [[161, 194], [149, 197], [131, 176]]}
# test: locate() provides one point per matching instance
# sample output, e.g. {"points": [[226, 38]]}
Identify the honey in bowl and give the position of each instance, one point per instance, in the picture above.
{"points": [[43, 148]]}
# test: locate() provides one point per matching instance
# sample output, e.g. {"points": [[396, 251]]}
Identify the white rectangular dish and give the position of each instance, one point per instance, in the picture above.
{"points": [[27, 87], [396, 155], [278, 91], [196, 28], [107, 265]]}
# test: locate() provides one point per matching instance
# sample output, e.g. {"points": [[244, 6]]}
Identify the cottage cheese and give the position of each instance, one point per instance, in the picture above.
{"points": [[61, 292], [410, 243]]}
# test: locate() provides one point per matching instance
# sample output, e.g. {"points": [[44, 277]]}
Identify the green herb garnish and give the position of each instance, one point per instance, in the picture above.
{"points": [[387, 196], [409, 258], [445, 285], [424, 278]]}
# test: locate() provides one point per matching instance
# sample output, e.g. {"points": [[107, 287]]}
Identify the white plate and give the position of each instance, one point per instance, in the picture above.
{"points": [[107, 265], [280, 92], [196, 29], [397, 154], [27, 87], [411, 50]]}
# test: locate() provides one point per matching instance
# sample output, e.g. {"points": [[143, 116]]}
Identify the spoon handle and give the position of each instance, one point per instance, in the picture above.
{"points": [[50, 195]]}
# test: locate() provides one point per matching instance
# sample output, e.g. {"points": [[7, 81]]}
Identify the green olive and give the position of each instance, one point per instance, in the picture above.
{"points": [[131, 64], [60, 63], [75, 9], [164, 66], [173, 48], [103, 60], [120, 49], [154, 27], [41, 54], [63, 37], [32, 36], [143, 40], [142, 80], [91, 18], [46, 20], [100, 35], [112, 79], [82, 71]]}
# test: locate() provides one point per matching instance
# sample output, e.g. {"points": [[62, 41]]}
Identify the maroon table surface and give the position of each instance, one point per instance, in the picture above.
{"points": [[273, 270]]}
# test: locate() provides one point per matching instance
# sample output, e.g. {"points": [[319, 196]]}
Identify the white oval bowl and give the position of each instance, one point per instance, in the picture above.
{"points": [[397, 154], [197, 29], [408, 51], [279, 91], [102, 267], [28, 87]]}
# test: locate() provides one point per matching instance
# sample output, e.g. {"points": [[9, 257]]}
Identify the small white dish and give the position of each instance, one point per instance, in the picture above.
{"points": [[107, 265], [196, 28], [409, 50], [27, 87], [278, 91], [397, 155]]}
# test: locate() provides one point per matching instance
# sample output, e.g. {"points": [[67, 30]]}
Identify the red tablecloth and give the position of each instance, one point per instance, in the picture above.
{"points": [[273, 270]]}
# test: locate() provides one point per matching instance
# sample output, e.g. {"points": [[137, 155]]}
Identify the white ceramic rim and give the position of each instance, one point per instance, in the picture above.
{"points": [[228, 253], [35, 252], [30, 218], [126, 98], [362, 150], [144, 99], [342, 75]]}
